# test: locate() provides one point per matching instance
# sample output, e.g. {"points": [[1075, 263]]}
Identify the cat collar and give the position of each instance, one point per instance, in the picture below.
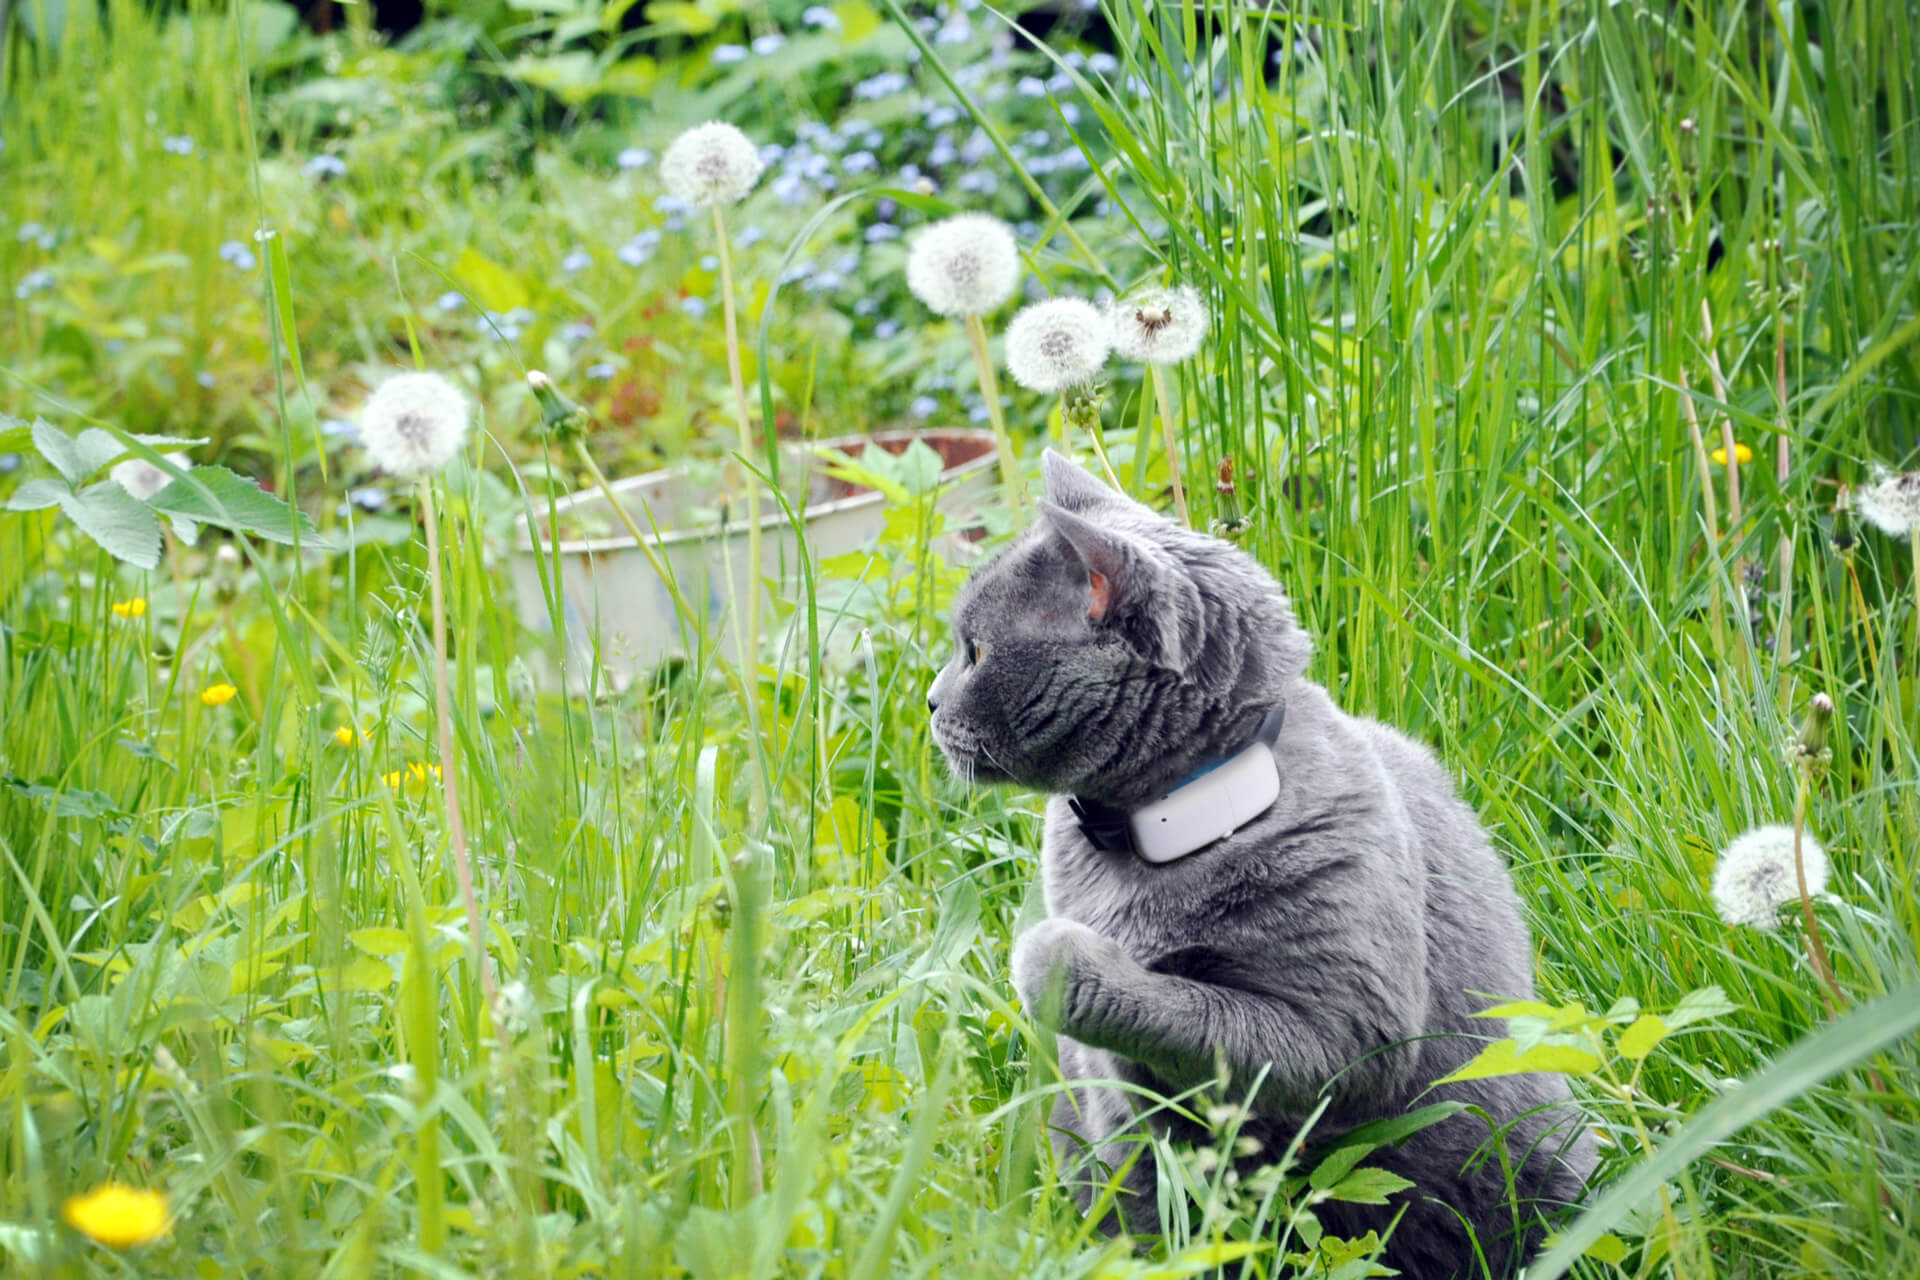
{"points": [[1209, 806]]}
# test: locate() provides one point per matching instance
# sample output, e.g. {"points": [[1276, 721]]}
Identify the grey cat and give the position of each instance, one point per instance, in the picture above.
{"points": [[1333, 947]]}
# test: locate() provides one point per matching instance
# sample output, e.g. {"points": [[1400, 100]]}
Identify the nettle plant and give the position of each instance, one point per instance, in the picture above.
{"points": [[143, 493]]}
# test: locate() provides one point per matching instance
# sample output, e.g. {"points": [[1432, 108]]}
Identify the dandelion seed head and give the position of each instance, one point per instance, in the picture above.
{"points": [[712, 163], [143, 479], [1755, 876], [1892, 503], [966, 265], [1058, 344], [1159, 326], [414, 423]]}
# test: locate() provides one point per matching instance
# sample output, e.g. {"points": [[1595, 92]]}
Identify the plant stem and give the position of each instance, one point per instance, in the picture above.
{"points": [[1158, 374], [1783, 637], [1816, 944], [1726, 421], [449, 763], [990, 392], [1715, 607], [750, 634], [643, 541]]}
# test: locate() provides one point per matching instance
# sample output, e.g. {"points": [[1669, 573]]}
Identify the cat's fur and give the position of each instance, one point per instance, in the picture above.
{"points": [[1339, 943]]}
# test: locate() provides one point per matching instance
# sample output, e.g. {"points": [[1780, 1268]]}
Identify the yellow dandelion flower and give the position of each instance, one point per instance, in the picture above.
{"points": [[345, 735], [414, 776], [218, 695], [118, 1216], [1741, 455], [134, 608]]}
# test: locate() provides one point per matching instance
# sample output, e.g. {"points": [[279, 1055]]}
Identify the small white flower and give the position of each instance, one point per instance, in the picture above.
{"points": [[711, 163], [1058, 344], [965, 265], [1756, 877], [414, 423], [1159, 326], [1892, 503], [143, 479]]}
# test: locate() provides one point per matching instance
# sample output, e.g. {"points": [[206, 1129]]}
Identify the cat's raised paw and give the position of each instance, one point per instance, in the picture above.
{"points": [[1051, 961]]}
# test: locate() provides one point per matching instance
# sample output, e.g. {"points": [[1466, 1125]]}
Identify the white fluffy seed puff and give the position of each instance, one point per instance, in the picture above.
{"points": [[1892, 504], [1755, 877], [414, 424], [1057, 345], [711, 163], [965, 265], [1159, 326]]}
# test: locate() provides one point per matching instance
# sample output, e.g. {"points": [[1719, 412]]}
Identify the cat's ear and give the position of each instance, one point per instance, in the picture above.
{"points": [[1135, 588], [1070, 486]]}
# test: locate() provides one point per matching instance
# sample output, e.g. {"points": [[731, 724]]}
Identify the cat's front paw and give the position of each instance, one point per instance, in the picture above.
{"points": [[1052, 964]]}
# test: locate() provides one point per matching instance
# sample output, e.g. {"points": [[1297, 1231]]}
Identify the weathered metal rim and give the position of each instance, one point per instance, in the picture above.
{"points": [[523, 531]]}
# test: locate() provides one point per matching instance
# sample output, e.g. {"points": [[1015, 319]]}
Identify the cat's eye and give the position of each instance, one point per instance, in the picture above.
{"points": [[975, 652]]}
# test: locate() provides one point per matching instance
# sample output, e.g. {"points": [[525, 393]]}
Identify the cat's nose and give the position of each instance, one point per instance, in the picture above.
{"points": [[933, 697]]}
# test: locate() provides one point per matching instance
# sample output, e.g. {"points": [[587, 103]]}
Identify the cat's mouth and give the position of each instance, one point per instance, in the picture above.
{"points": [[966, 754]]}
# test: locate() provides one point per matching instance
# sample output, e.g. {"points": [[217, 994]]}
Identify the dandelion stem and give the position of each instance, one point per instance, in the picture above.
{"points": [[1810, 756], [1716, 608], [1783, 638], [450, 762], [990, 392], [1159, 376], [750, 634], [1816, 943]]}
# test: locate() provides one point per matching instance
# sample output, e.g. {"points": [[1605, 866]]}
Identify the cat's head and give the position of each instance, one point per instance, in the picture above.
{"points": [[1109, 649]]}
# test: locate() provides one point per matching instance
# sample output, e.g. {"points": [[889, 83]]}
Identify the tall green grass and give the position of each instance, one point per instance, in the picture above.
{"points": [[1459, 259]]}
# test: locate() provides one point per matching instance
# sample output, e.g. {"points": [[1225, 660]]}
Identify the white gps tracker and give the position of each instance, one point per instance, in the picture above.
{"points": [[1211, 807]]}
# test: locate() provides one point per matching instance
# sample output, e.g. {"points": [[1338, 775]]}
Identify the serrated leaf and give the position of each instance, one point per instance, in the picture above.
{"points": [[119, 522], [1338, 1165], [1697, 1006], [1638, 1040], [37, 494], [94, 449], [1394, 1130], [232, 502], [58, 449], [1505, 1058], [1368, 1186]]}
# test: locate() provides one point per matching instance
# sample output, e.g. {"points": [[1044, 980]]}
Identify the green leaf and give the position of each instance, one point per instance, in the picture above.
{"points": [[119, 522], [1505, 1058], [1368, 1186], [381, 940], [492, 285], [1698, 1006], [1638, 1040], [233, 502], [15, 435], [58, 449], [37, 495], [1610, 1249], [1394, 1130], [1338, 1165], [1835, 1047], [1196, 1258], [94, 449]]}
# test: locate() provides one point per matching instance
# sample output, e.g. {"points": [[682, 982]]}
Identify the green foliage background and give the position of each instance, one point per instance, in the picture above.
{"points": [[1472, 268]]}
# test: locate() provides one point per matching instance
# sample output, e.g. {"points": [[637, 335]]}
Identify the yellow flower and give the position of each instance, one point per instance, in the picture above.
{"points": [[345, 735], [134, 608], [1741, 455], [218, 695], [414, 776], [118, 1216]]}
